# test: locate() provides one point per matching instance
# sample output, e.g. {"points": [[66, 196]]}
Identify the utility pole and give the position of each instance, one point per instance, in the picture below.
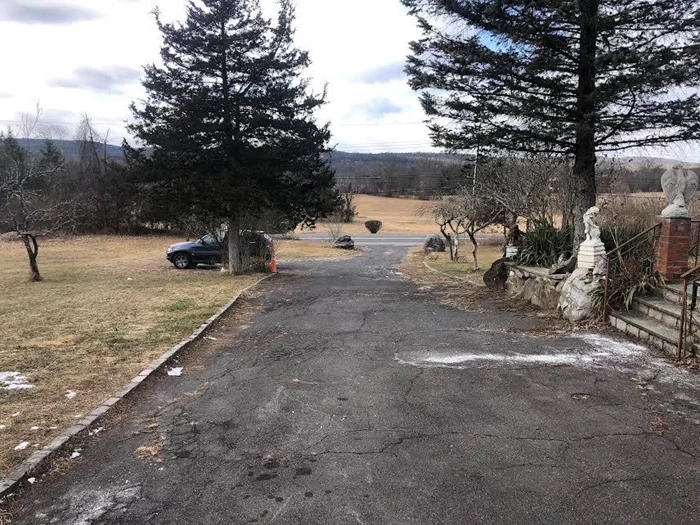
{"points": [[476, 161]]}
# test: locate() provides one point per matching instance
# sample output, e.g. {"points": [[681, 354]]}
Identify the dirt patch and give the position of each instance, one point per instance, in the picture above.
{"points": [[448, 291], [152, 450]]}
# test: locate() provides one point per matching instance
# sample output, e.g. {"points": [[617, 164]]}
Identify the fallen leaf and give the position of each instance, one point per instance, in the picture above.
{"points": [[660, 425]]}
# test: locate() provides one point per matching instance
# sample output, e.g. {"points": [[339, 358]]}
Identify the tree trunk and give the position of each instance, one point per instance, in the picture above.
{"points": [[448, 238], [32, 252], [234, 248], [584, 150], [475, 247]]}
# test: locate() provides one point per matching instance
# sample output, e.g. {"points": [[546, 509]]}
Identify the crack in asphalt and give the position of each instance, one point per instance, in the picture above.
{"points": [[620, 480]]}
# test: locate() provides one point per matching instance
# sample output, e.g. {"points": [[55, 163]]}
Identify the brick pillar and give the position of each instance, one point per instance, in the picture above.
{"points": [[672, 248]]}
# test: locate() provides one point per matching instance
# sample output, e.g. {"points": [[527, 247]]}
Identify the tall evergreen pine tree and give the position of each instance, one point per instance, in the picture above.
{"points": [[230, 118], [576, 77]]}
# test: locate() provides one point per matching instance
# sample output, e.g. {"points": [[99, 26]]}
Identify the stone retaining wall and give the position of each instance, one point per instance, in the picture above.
{"points": [[536, 286]]}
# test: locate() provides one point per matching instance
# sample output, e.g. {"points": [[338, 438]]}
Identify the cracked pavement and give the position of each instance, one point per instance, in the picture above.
{"points": [[329, 406]]}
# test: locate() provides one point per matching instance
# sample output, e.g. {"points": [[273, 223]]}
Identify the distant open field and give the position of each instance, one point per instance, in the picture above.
{"points": [[397, 215], [401, 216], [108, 306]]}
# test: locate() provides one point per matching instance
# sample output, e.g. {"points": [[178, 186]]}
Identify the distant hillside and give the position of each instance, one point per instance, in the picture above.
{"points": [[647, 163], [383, 173], [427, 174], [69, 148]]}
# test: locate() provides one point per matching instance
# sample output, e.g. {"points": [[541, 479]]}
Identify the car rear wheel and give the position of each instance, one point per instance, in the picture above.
{"points": [[182, 261]]}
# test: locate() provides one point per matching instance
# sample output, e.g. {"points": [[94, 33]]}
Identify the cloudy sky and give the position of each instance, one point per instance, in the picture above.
{"points": [[86, 56]]}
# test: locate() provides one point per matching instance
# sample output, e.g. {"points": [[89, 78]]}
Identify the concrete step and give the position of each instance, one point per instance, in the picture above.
{"points": [[648, 329], [659, 308], [674, 292]]}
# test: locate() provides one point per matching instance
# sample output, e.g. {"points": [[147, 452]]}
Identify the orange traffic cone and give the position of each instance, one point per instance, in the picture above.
{"points": [[273, 265]]}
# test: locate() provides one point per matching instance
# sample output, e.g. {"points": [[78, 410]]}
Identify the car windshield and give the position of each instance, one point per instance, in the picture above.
{"points": [[207, 239]]}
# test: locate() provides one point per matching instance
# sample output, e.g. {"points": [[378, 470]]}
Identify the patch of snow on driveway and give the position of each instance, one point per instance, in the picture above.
{"points": [[598, 350]]}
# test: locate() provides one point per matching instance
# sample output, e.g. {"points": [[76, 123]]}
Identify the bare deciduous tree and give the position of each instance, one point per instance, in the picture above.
{"points": [[532, 187], [23, 198], [467, 213]]}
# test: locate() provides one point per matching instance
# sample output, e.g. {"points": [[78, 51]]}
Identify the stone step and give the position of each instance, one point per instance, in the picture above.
{"points": [[661, 309], [649, 330], [674, 292]]}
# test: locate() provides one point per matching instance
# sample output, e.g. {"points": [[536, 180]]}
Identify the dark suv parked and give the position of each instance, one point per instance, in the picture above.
{"points": [[206, 250]]}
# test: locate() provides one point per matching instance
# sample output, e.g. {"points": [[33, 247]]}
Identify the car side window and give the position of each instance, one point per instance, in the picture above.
{"points": [[209, 240]]}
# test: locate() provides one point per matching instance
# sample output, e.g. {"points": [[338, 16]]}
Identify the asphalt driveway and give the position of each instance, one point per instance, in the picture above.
{"points": [[351, 395]]}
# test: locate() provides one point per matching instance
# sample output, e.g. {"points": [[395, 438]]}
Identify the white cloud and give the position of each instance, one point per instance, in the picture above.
{"points": [[108, 79], [45, 12], [81, 56]]}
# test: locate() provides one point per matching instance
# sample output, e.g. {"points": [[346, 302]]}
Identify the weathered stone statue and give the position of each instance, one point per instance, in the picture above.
{"points": [[576, 300], [591, 228], [591, 253], [514, 239], [514, 236], [679, 185]]}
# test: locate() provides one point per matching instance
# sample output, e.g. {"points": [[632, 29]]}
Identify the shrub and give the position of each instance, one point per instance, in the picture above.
{"points": [[630, 271], [631, 278], [633, 211], [617, 236], [346, 210], [373, 226], [544, 244]]}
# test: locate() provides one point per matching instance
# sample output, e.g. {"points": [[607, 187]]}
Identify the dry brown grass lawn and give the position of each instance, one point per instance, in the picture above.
{"points": [[107, 307], [464, 268]]}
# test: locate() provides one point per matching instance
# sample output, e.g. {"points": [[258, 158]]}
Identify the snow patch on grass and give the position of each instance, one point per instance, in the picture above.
{"points": [[14, 381]]}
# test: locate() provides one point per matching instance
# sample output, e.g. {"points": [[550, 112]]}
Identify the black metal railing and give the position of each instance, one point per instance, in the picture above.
{"points": [[688, 326], [694, 252], [630, 270]]}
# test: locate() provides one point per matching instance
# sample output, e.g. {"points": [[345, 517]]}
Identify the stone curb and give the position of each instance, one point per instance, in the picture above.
{"points": [[7, 485], [455, 277]]}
